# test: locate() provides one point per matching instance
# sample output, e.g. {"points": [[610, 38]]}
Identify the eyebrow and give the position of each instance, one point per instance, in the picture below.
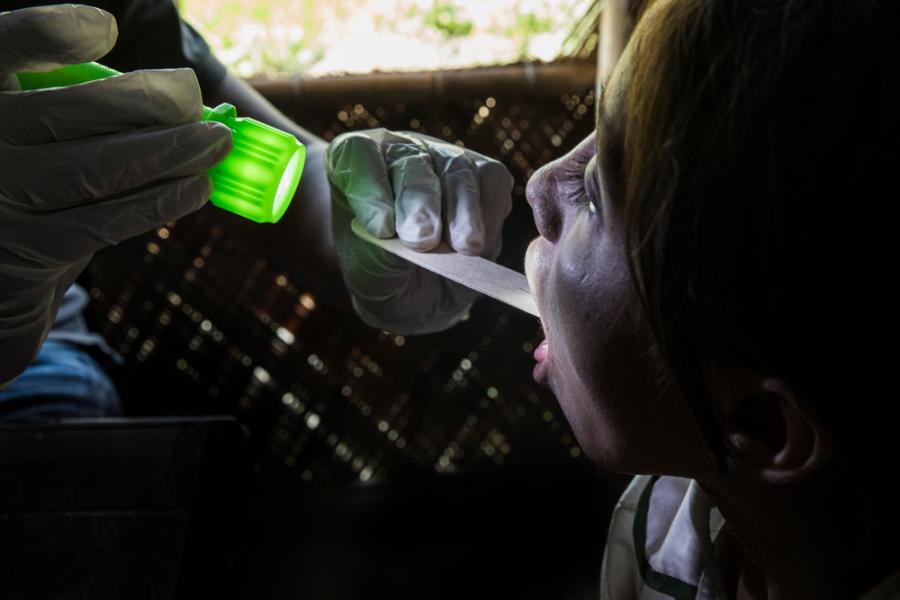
{"points": [[600, 118], [607, 155]]}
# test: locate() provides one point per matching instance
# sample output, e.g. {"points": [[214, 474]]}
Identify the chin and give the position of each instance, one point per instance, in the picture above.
{"points": [[597, 438]]}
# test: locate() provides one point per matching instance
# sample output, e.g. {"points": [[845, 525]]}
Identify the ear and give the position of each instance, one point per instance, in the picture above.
{"points": [[771, 434]]}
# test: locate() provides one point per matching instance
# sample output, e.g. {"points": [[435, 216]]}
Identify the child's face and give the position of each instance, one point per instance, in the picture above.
{"points": [[597, 361]]}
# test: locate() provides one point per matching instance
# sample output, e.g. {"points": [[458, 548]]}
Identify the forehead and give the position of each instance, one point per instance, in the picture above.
{"points": [[614, 91]]}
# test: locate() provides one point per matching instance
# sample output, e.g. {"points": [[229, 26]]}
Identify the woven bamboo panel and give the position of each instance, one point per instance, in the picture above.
{"points": [[207, 326]]}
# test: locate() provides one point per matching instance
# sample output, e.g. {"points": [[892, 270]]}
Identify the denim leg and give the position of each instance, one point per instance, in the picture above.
{"points": [[63, 382]]}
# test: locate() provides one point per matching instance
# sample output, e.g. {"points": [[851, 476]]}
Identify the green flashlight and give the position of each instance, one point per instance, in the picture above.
{"points": [[257, 179]]}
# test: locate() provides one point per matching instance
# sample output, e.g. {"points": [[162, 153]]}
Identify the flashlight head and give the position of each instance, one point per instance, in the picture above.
{"points": [[260, 175]]}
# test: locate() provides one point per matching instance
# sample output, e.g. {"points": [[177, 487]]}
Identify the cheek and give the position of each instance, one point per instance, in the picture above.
{"points": [[594, 311], [591, 330], [604, 375]]}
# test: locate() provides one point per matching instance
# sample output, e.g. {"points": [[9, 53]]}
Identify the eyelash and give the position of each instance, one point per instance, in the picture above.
{"points": [[580, 167]]}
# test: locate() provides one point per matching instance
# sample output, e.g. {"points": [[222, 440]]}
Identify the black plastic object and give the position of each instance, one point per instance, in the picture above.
{"points": [[122, 508]]}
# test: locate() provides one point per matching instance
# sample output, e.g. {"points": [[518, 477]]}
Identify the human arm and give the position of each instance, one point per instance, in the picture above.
{"points": [[301, 243]]}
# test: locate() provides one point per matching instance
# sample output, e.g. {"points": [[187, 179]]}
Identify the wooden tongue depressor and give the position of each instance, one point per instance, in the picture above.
{"points": [[474, 272]]}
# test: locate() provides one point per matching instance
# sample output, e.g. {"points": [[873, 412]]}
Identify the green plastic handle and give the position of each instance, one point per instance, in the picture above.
{"points": [[260, 175]]}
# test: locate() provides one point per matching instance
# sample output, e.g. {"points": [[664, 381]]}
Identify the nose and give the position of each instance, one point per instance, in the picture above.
{"points": [[540, 193]]}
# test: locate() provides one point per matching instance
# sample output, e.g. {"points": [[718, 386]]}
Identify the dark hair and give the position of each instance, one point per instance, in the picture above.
{"points": [[760, 168]]}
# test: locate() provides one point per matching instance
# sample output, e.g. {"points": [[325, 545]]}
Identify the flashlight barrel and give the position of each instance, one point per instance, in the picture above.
{"points": [[260, 175]]}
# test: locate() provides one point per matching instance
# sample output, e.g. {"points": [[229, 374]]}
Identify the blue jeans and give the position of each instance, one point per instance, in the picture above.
{"points": [[63, 382]]}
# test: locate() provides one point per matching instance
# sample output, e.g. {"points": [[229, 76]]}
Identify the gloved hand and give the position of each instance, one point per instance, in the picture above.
{"points": [[85, 166], [423, 190]]}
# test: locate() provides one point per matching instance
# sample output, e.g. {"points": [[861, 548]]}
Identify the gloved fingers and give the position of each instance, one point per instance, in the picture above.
{"points": [[461, 199], [360, 189], [87, 229], [389, 292], [128, 101], [358, 174], [495, 186], [367, 269], [48, 37], [417, 194], [42, 242], [65, 174], [113, 221]]}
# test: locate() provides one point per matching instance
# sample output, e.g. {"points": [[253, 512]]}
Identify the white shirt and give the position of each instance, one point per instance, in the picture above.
{"points": [[660, 545]]}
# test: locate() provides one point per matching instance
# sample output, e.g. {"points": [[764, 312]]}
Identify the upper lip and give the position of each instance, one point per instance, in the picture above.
{"points": [[533, 270]]}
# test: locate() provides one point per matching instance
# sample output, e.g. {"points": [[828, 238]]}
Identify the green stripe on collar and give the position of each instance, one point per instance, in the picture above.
{"points": [[665, 584]]}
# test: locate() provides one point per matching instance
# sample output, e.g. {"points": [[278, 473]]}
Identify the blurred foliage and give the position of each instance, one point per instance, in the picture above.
{"points": [[271, 37], [527, 26], [444, 17]]}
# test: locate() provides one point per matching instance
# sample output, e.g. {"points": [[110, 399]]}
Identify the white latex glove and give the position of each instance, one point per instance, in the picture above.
{"points": [[422, 190], [85, 166]]}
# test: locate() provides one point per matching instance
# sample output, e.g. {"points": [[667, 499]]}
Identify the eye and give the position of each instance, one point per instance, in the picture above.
{"points": [[579, 170], [591, 189]]}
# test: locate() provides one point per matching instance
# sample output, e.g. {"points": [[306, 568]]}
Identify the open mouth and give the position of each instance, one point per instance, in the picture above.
{"points": [[542, 363], [533, 259]]}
